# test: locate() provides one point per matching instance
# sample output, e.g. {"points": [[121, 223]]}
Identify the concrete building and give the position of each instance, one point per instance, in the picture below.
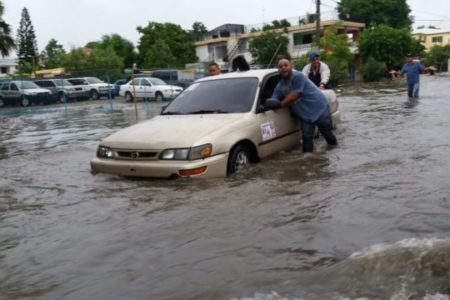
{"points": [[8, 65], [225, 42], [430, 37]]}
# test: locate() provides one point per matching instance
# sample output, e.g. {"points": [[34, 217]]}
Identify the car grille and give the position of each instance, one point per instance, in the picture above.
{"points": [[136, 154]]}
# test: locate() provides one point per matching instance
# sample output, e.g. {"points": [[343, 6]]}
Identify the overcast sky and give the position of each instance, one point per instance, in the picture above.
{"points": [[73, 23]]}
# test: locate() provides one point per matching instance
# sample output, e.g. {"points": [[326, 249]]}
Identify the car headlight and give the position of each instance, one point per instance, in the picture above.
{"points": [[193, 153], [104, 152]]}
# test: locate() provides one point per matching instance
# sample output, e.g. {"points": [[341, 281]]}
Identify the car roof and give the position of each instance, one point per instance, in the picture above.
{"points": [[259, 73]]}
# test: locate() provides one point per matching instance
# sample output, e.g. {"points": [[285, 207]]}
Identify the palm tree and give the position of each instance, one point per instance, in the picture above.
{"points": [[6, 41]]}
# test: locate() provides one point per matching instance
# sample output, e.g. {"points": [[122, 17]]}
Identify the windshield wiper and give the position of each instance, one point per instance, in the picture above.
{"points": [[205, 111], [172, 113]]}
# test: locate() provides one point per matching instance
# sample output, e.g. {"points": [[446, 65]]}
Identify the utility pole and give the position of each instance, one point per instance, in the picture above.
{"points": [[318, 24]]}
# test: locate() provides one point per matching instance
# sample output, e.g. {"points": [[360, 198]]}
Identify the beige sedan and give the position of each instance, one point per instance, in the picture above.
{"points": [[213, 128]]}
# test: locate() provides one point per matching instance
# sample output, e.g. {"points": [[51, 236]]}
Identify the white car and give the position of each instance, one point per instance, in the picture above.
{"points": [[213, 128], [149, 88], [96, 87]]}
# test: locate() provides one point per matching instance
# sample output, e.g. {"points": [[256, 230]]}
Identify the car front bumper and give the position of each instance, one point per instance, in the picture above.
{"points": [[216, 166]]}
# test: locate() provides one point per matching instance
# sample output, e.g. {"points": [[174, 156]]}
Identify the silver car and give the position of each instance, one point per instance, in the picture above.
{"points": [[215, 127]]}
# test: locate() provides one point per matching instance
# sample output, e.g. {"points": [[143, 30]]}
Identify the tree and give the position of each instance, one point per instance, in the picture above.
{"points": [[178, 50], [337, 53], [6, 40], [121, 46], [265, 47], [394, 13], [105, 64], [438, 56], [198, 31], [53, 54], [386, 44], [26, 43], [277, 25]]}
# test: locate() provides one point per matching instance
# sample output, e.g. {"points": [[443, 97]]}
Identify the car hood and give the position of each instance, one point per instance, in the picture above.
{"points": [[169, 131]]}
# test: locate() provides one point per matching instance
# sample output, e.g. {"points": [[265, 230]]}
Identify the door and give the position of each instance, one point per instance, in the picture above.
{"points": [[279, 129]]}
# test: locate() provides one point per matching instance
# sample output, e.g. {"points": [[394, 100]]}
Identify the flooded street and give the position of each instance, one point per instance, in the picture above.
{"points": [[369, 219]]}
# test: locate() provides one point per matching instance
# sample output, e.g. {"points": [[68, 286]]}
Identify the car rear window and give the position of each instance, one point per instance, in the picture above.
{"points": [[234, 95]]}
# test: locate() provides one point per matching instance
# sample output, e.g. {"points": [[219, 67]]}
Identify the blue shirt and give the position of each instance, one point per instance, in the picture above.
{"points": [[310, 105], [412, 71]]}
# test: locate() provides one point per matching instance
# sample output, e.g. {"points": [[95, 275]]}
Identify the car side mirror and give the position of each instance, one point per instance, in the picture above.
{"points": [[271, 104]]}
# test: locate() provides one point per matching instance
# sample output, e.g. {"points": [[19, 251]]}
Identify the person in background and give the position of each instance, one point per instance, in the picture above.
{"points": [[317, 71], [213, 69], [306, 101], [412, 69]]}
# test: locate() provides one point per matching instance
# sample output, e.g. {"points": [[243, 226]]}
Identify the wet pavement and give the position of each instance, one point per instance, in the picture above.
{"points": [[368, 219]]}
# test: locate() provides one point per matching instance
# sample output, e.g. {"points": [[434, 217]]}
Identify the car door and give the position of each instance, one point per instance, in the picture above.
{"points": [[278, 129], [147, 88]]}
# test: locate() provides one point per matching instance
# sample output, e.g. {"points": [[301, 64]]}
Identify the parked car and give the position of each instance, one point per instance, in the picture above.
{"points": [[213, 128], [181, 78], [117, 85], [149, 87], [62, 90], [24, 92], [97, 87]]}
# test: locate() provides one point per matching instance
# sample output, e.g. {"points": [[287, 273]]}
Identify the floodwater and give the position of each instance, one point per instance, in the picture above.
{"points": [[369, 219]]}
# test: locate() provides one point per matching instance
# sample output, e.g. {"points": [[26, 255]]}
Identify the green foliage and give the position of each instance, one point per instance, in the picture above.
{"points": [[309, 18], [6, 40], [277, 25], [121, 46], [386, 44], [53, 54], [97, 62], [198, 31], [438, 57], [178, 47], [394, 13], [26, 43], [265, 47], [373, 70]]}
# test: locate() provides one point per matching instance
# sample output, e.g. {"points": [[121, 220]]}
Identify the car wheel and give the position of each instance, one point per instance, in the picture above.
{"points": [[238, 160], [1, 102], [25, 102], [61, 97], [95, 95], [128, 97], [159, 97]]}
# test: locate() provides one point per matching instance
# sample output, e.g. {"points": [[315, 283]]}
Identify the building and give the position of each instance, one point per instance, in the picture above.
{"points": [[430, 37], [8, 65], [225, 42]]}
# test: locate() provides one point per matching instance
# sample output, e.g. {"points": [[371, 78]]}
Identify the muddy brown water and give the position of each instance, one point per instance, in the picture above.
{"points": [[368, 219]]}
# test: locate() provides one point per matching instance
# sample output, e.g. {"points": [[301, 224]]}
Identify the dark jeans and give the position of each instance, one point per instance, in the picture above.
{"points": [[324, 123], [413, 90]]}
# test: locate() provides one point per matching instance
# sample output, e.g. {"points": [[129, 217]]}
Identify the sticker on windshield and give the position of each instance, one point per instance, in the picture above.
{"points": [[268, 131]]}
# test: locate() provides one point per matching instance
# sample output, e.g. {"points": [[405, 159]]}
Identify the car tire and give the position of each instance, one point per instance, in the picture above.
{"points": [[159, 97], [238, 159], [24, 102], [61, 97], [95, 95], [128, 97]]}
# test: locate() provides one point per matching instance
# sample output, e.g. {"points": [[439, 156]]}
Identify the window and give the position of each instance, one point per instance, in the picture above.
{"points": [[5, 87], [436, 39], [302, 39], [14, 87]]}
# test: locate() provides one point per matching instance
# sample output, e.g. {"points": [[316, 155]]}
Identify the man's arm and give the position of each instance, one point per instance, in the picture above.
{"points": [[291, 97], [324, 74]]}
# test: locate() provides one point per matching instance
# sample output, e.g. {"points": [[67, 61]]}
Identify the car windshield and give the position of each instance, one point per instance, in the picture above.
{"points": [[62, 82], [27, 85], [94, 80], [215, 96], [157, 81]]}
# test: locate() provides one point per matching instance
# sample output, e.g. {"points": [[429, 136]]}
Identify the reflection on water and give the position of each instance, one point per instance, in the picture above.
{"points": [[365, 220]]}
